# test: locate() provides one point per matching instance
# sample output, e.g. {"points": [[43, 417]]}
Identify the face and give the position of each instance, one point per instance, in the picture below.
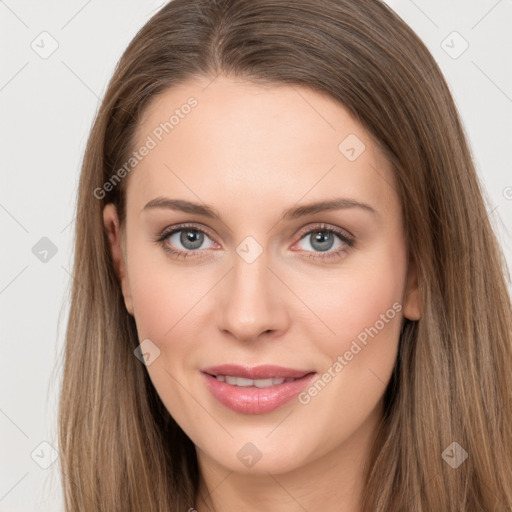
{"points": [[224, 260]]}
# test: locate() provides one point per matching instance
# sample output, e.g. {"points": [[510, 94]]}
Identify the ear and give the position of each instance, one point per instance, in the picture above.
{"points": [[412, 298], [111, 223]]}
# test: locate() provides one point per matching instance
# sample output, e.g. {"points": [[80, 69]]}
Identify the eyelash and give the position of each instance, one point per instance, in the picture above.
{"points": [[345, 237]]}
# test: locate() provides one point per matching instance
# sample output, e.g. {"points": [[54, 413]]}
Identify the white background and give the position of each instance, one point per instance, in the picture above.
{"points": [[47, 109]]}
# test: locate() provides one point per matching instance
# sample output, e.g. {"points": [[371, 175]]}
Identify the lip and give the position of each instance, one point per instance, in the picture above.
{"points": [[250, 399]]}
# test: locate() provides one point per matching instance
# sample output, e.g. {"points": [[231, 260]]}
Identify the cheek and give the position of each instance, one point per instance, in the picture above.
{"points": [[363, 300], [363, 308], [165, 301], [157, 304], [162, 293]]}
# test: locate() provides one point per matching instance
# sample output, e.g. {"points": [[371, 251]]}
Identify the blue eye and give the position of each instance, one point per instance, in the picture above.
{"points": [[186, 241], [322, 239], [190, 238]]}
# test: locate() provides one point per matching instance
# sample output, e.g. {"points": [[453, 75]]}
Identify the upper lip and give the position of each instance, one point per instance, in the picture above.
{"points": [[265, 371]]}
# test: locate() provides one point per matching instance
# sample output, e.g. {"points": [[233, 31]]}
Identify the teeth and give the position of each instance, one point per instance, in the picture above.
{"points": [[259, 383]]}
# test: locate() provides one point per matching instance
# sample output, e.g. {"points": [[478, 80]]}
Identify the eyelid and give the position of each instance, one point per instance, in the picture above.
{"points": [[322, 226], [167, 232], [345, 235], [306, 229]]}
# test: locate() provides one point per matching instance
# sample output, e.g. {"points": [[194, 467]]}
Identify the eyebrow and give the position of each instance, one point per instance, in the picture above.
{"points": [[296, 212]]}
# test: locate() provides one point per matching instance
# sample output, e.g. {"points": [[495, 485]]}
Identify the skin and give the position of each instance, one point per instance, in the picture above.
{"points": [[250, 152]]}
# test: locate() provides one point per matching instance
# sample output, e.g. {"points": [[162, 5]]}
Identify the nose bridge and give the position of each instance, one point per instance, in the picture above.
{"points": [[250, 297]]}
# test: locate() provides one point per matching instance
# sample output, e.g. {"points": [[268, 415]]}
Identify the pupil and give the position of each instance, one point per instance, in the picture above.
{"points": [[323, 240], [191, 239]]}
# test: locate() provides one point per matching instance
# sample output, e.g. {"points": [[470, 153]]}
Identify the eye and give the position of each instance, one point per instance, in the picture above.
{"points": [[181, 241], [326, 242], [185, 241]]}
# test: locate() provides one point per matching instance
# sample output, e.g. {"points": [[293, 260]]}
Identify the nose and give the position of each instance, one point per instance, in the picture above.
{"points": [[251, 302]]}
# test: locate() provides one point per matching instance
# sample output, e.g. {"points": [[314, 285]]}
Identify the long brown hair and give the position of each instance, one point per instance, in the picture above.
{"points": [[120, 448]]}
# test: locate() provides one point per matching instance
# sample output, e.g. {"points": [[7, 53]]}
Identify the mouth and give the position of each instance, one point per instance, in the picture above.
{"points": [[262, 372], [255, 390], [242, 382]]}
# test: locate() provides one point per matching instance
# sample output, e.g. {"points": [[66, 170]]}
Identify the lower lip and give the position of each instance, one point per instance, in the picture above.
{"points": [[253, 400]]}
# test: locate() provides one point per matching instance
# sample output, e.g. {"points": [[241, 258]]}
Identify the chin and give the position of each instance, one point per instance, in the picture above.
{"points": [[259, 456]]}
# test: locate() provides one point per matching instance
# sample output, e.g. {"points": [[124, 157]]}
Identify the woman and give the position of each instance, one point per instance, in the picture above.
{"points": [[279, 297]]}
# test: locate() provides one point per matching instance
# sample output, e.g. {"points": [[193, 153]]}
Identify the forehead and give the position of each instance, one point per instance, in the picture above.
{"points": [[227, 138]]}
